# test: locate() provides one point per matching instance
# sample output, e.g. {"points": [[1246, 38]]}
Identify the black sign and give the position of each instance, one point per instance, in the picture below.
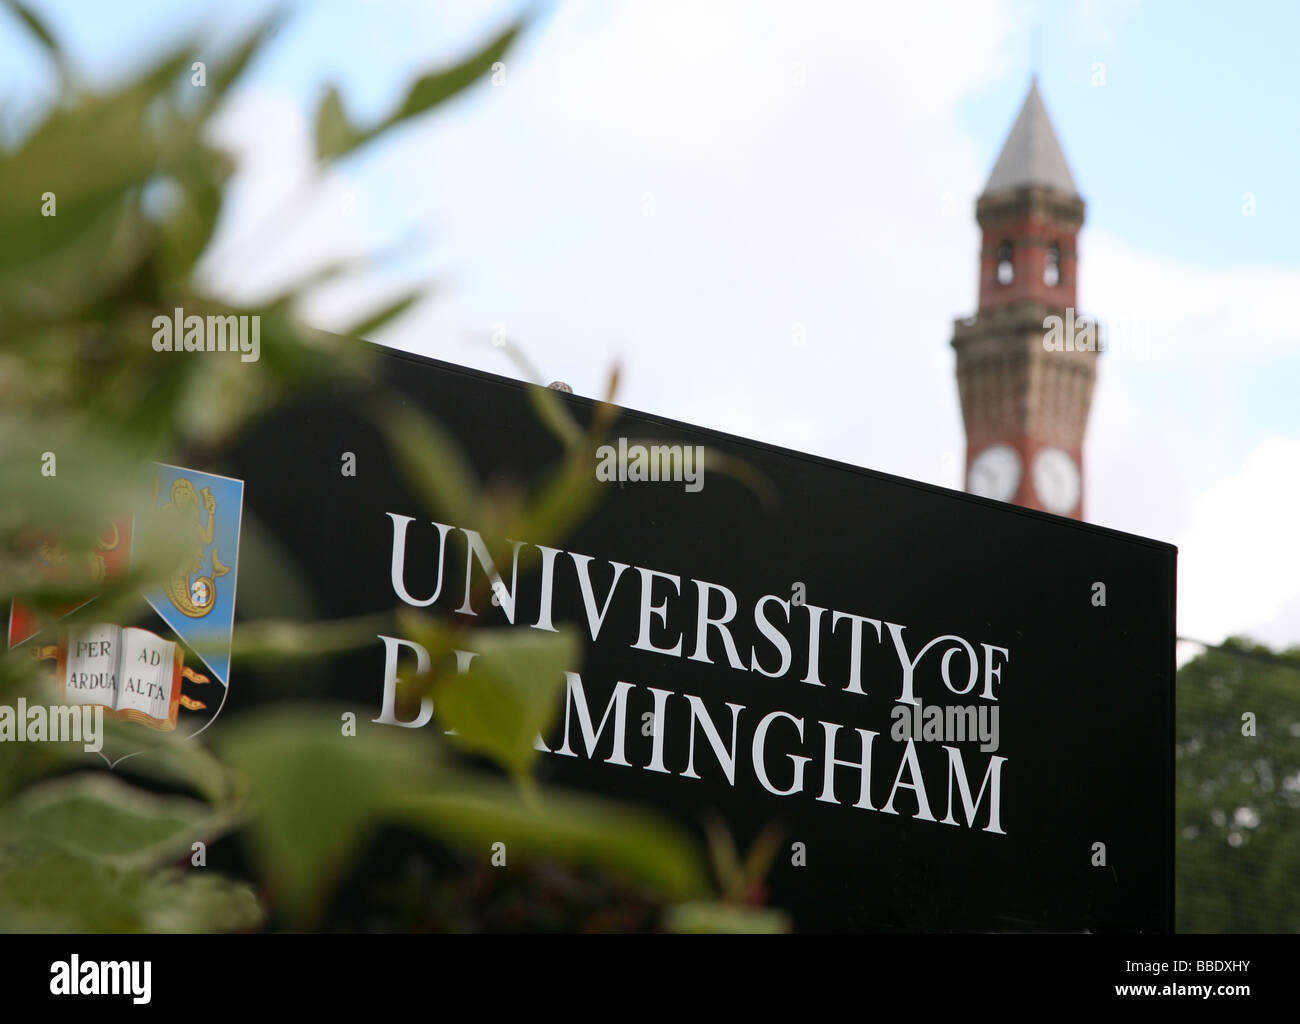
{"points": [[960, 713]]}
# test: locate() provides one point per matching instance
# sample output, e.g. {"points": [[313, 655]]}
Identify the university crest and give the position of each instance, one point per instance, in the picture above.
{"points": [[173, 655]]}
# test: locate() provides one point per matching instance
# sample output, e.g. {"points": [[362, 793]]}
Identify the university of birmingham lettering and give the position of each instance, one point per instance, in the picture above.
{"points": [[789, 639], [957, 714]]}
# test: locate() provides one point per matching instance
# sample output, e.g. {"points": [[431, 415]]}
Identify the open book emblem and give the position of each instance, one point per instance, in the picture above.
{"points": [[133, 673]]}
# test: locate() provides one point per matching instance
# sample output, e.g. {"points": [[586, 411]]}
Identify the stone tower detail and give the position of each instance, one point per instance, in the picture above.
{"points": [[1026, 390]]}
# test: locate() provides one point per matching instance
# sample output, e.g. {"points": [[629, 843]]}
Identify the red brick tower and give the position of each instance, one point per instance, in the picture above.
{"points": [[1025, 403]]}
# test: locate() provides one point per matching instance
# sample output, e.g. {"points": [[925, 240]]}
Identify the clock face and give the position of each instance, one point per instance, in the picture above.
{"points": [[995, 473], [1056, 481]]}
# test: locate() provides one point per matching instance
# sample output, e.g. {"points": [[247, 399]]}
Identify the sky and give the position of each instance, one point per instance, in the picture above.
{"points": [[763, 213]]}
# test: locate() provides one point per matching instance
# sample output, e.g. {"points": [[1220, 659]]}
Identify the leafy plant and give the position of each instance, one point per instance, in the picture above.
{"points": [[108, 202]]}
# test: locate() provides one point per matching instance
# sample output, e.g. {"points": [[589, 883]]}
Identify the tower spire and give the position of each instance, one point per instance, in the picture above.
{"points": [[1032, 154]]}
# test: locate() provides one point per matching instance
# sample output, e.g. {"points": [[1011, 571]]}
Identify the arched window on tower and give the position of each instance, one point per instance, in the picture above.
{"points": [[1052, 268], [1006, 271]]}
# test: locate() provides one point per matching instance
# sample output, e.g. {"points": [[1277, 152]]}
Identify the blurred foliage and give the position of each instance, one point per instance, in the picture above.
{"points": [[108, 203], [1237, 817]]}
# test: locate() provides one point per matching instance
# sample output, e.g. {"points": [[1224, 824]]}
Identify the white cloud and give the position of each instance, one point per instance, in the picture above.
{"points": [[1171, 413], [1239, 559], [799, 255], [1175, 450], [1192, 315]]}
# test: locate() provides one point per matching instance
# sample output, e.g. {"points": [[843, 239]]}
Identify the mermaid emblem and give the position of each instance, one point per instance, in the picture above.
{"points": [[194, 522], [192, 590]]}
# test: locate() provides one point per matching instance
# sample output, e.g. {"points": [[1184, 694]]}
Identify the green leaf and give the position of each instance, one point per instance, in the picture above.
{"points": [[271, 642], [82, 854], [316, 793], [188, 228], [335, 134], [564, 500], [510, 694], [225, 74], [581, 830], [178, 902], [385, 314], [440, 86], [555, 416], [713, 917], [38, 28], [432, 463], [100, 817], [115, 149], [46, 888]]}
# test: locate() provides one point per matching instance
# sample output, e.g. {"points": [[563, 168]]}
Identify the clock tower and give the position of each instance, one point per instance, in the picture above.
{"points": [[1026, 379]]}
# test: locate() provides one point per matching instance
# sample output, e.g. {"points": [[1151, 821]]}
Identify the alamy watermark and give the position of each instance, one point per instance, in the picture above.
{"points": [[679, 463], [75, 977], [214, 333], [1125, 335], [955, 723], [58, 723]]}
